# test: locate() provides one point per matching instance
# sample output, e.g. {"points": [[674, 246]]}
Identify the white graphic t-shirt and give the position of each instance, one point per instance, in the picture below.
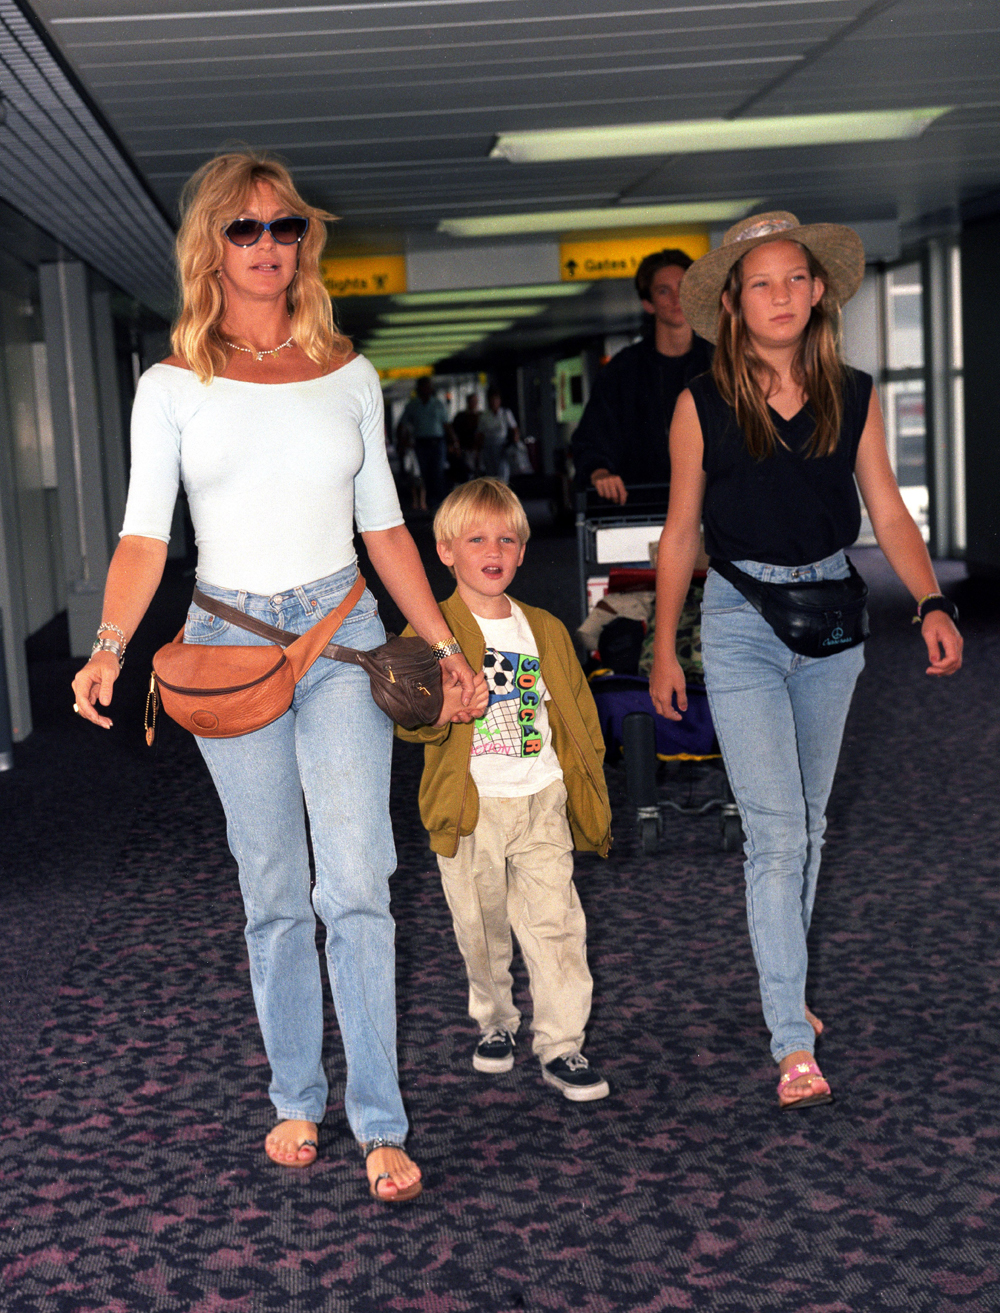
{"points": [[512, 753]]}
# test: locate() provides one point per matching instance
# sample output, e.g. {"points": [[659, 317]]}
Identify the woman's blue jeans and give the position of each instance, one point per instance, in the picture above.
{"points": [[328, 756], [780, 719]]}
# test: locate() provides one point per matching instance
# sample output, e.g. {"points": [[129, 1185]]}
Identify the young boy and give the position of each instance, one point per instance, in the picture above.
{"points": [[506, 797]]}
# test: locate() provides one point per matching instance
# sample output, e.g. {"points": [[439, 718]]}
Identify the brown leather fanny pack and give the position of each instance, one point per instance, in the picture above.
{"points": [[225, 691]]}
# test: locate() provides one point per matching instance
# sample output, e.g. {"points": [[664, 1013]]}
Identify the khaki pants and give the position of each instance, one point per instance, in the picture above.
{"points": [[515, 873]]}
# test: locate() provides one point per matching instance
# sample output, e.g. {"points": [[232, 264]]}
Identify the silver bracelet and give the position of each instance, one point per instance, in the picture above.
{"points": [[109, 645], [115, 630]]}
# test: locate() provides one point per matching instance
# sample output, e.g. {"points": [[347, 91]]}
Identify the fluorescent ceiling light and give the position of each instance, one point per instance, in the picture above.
{"points": [[543, 146], [608, 216], [447, 329], [412, 360], [417, 344], [490, 294], [467, 317], [463, 331], [482, 326], [418, 331]]}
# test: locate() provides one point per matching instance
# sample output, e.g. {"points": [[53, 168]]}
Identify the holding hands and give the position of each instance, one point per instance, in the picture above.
{"points": [[454, 710]]}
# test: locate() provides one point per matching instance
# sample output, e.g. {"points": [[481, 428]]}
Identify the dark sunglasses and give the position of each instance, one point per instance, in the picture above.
{"points": [[286, 231]]}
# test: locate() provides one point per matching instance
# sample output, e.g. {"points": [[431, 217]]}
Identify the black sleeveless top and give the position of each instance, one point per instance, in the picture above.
{"points": [[788, 509]]}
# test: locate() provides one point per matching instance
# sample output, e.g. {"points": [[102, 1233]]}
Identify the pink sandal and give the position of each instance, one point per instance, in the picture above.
{"points": [[808, 1100]]}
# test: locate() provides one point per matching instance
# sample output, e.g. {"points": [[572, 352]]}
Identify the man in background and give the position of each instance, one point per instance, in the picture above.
{"points": [[425, 420], [622, 437]]}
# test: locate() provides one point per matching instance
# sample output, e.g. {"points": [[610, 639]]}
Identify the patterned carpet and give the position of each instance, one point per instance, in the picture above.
{"points": [[131, 1170]]}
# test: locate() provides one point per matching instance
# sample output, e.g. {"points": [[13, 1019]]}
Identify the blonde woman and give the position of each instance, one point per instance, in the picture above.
{"points": [[274, 425]]}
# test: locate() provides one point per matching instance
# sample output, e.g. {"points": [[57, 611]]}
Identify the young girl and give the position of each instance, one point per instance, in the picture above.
{"points": [[766, 449]]}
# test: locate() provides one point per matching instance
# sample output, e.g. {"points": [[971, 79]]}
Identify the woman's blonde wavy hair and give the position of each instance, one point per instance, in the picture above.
{"points": [[212, 198], [737, 369]]}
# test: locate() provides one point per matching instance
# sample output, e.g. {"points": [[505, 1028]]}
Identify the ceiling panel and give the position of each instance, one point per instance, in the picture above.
{"points": [[127, 75], [351, 92]]}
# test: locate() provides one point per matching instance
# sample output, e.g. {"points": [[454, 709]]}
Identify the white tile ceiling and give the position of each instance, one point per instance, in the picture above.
{"points": [[387, 109]]}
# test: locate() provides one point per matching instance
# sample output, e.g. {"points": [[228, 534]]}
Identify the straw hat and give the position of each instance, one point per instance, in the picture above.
{"points": [[837, 248]]}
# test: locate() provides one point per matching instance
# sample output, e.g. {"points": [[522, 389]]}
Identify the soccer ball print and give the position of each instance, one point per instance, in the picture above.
{"points": [[499, 673]]}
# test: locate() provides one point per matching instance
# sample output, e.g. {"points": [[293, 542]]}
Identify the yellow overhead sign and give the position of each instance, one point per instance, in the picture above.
{"points": [[410, 371], [620, 256], [364, 275]]}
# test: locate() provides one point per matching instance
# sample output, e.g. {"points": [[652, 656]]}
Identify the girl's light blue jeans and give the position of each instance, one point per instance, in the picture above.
{"points": [[327, 757], [779, 718]]}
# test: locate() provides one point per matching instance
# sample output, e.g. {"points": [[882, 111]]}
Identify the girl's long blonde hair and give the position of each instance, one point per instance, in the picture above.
{"points": [[737, 369], [212, 198]]}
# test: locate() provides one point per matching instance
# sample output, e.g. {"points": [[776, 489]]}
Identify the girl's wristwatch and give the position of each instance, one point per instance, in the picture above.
{"points": [[935, 602]]}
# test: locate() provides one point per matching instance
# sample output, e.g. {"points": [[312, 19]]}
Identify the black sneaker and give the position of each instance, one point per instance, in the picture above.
{"points": [[576, 1078], [495, 1051]]}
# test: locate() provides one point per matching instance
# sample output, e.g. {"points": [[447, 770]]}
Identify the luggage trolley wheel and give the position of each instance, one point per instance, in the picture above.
{"points": [[732, 829], [649, 834]]}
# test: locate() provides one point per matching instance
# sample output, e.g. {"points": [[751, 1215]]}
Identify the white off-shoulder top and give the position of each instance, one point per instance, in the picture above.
{"points": [[276, 474]]}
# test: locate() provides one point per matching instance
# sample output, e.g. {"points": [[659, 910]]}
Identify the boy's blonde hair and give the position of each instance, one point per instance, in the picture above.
{"points": [[477, 500]]}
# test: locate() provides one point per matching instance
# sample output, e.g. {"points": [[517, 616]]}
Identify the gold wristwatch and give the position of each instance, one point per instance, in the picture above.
{"points": [[449, 647]]}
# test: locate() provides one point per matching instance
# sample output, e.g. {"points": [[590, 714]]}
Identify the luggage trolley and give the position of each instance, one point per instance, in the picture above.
{"points": [[614, 545], [607, 535]]}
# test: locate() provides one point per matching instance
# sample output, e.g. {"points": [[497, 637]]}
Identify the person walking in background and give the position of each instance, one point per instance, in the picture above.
{"points": [[411, 480], [507, 798], [497, 428], [425, 420], [622, 437], [466, 426], [276, 428], [767, 448]]}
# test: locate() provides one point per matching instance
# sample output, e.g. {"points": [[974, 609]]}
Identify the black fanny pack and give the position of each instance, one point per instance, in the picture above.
{"points": [[814, 619]]}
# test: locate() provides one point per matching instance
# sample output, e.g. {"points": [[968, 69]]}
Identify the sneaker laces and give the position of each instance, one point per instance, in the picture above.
{"points": [[498, 1035], [576, 1062]]}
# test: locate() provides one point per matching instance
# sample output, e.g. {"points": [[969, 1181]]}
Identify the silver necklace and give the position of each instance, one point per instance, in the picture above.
{"points": [[259, 355]]}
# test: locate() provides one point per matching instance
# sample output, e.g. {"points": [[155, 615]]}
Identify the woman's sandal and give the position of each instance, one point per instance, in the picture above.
{"points": [[404, 1196], [808, 1100], [296, 1161]]}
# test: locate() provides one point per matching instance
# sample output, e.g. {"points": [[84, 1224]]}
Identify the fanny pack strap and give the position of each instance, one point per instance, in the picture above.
{"points": [[743, 582], [301, 649], [754, 589]]}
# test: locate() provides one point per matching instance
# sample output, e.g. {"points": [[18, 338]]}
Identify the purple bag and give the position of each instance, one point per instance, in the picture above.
{"points": [[619, 695]]}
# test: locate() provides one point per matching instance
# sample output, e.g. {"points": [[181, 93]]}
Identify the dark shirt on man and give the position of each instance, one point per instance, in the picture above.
{"points": [[626, 423]]}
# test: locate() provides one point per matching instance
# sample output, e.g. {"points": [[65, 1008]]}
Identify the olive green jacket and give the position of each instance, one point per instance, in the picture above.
{"points": [[449, 800]]}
